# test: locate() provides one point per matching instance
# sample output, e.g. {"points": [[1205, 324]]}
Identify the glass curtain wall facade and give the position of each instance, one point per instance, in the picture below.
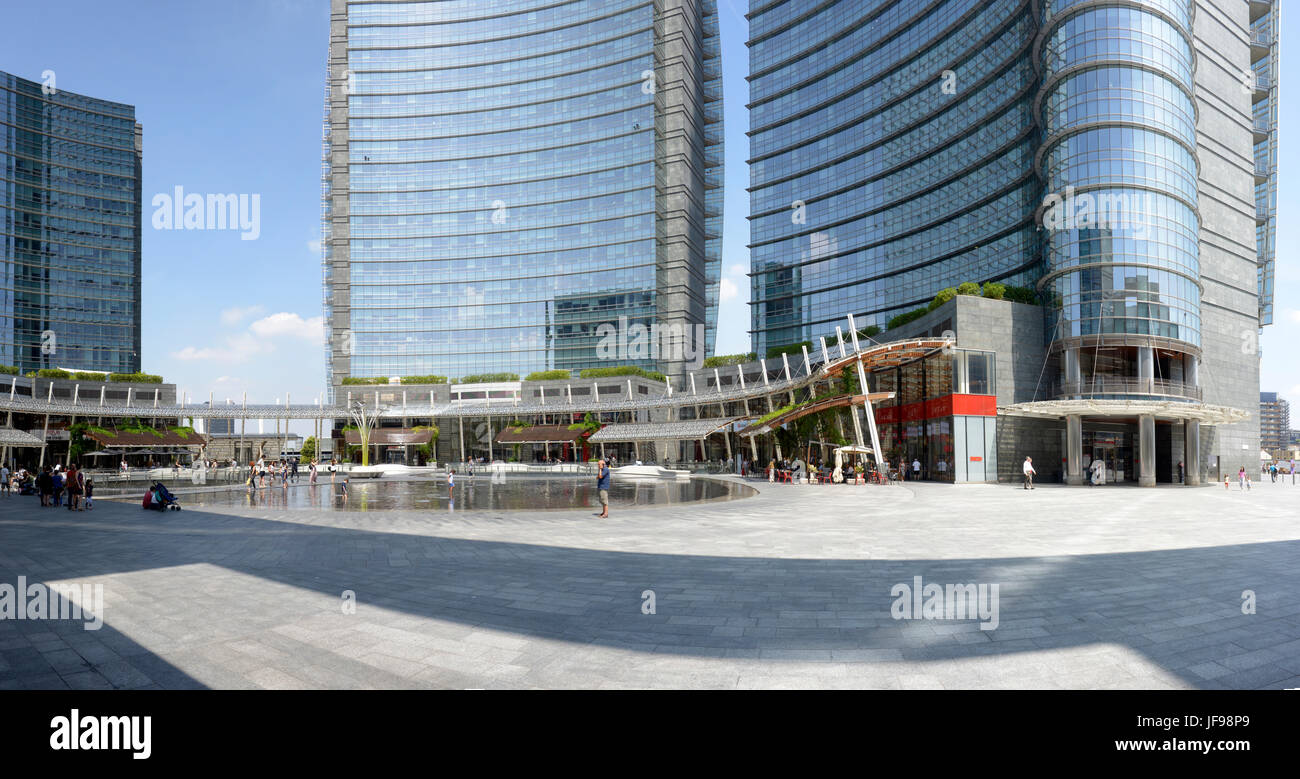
{"points": [[892, 155], [1120, 173], [1264, 50], [504, 176], [70, 214]]}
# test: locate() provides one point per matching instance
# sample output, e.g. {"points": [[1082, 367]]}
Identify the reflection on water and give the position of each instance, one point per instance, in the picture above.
{"points": [[480, 493]]}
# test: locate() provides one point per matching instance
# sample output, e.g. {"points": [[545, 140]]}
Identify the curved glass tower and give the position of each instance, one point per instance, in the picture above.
{"points": [[892, 156], [1099, 152], [504, 177], [69, 230], [1119, 167]]}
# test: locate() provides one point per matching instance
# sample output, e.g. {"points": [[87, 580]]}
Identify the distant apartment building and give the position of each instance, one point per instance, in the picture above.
{"points": [[1274, 422]]}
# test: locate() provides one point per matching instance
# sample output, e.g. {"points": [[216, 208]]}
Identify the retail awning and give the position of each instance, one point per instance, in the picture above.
{"points": [[393, 436], [539, 434], [825, 404], [120, 439], [11, 437], [685, 430]]}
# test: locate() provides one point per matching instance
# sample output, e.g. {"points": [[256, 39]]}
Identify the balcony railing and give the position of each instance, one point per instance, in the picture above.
{"points": [[1126, 385]]}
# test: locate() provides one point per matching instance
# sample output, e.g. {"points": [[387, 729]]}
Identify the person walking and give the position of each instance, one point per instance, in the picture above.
{"points": [[1241, 478], [90, 494], [4, 480], [602, 488], [312, 474], [45, 485], [1028, 469], [74, 482], [451, 483], [56, 481], [1180, 472], [293, 470]]}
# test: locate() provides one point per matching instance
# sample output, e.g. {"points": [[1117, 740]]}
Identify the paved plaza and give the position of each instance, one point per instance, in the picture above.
{"points": [[1110, 587]]}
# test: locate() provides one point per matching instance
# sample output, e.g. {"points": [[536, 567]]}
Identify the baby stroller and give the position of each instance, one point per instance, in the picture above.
{"points": [[159, 499]]}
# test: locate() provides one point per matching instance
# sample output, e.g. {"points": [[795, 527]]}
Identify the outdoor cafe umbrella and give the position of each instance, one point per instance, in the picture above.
{"points": [[843, 450]]}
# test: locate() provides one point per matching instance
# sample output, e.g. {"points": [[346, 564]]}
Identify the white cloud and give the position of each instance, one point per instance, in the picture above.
{"points": [[1292, 314], [728, 290], [259, 338], [738, 269], [291, 325], [233, 316], [314, 247]]}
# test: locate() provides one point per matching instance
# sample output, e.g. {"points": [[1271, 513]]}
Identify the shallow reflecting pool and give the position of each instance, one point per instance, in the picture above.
{"points": [[480, 493]]}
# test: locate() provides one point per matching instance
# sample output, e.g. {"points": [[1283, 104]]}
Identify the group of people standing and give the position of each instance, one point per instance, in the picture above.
{"points": [[286, 472], [55, 486]]}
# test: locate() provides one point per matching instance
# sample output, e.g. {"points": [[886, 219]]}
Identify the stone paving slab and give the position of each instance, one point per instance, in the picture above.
{"points": [[1104, 588]]}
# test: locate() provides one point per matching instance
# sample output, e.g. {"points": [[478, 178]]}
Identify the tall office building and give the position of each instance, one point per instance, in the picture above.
{"points": [[1107, 155], [501, 179], [1274, 422], [69, 230]]}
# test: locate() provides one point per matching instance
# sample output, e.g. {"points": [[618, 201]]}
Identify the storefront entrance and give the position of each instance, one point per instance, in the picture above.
{"points": [[1114, 449]]}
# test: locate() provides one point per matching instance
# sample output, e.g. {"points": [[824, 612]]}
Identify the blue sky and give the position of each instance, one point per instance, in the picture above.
{"points": [[230, 96]]}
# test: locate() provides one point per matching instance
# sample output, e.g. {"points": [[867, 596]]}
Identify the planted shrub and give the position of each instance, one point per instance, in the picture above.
{"points": [[943, 297]]}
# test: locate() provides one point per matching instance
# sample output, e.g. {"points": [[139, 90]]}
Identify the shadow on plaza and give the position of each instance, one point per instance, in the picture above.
{"points": [[1181, 609]]}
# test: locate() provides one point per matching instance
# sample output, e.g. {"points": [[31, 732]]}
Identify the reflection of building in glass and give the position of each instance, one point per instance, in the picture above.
{"points": [[483, 168], [69, 230], [574, 338]]}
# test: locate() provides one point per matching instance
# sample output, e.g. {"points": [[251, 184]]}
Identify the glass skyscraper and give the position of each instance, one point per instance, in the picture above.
{"points": [[1075, 147], [70, 213], [502, 177]]}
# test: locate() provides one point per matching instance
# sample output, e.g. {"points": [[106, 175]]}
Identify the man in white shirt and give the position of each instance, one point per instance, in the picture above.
{"points": [[916, 469], [1029, 471]]}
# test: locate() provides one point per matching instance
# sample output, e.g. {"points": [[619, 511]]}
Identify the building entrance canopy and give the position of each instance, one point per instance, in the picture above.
{"points": [[1164, 409]]}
